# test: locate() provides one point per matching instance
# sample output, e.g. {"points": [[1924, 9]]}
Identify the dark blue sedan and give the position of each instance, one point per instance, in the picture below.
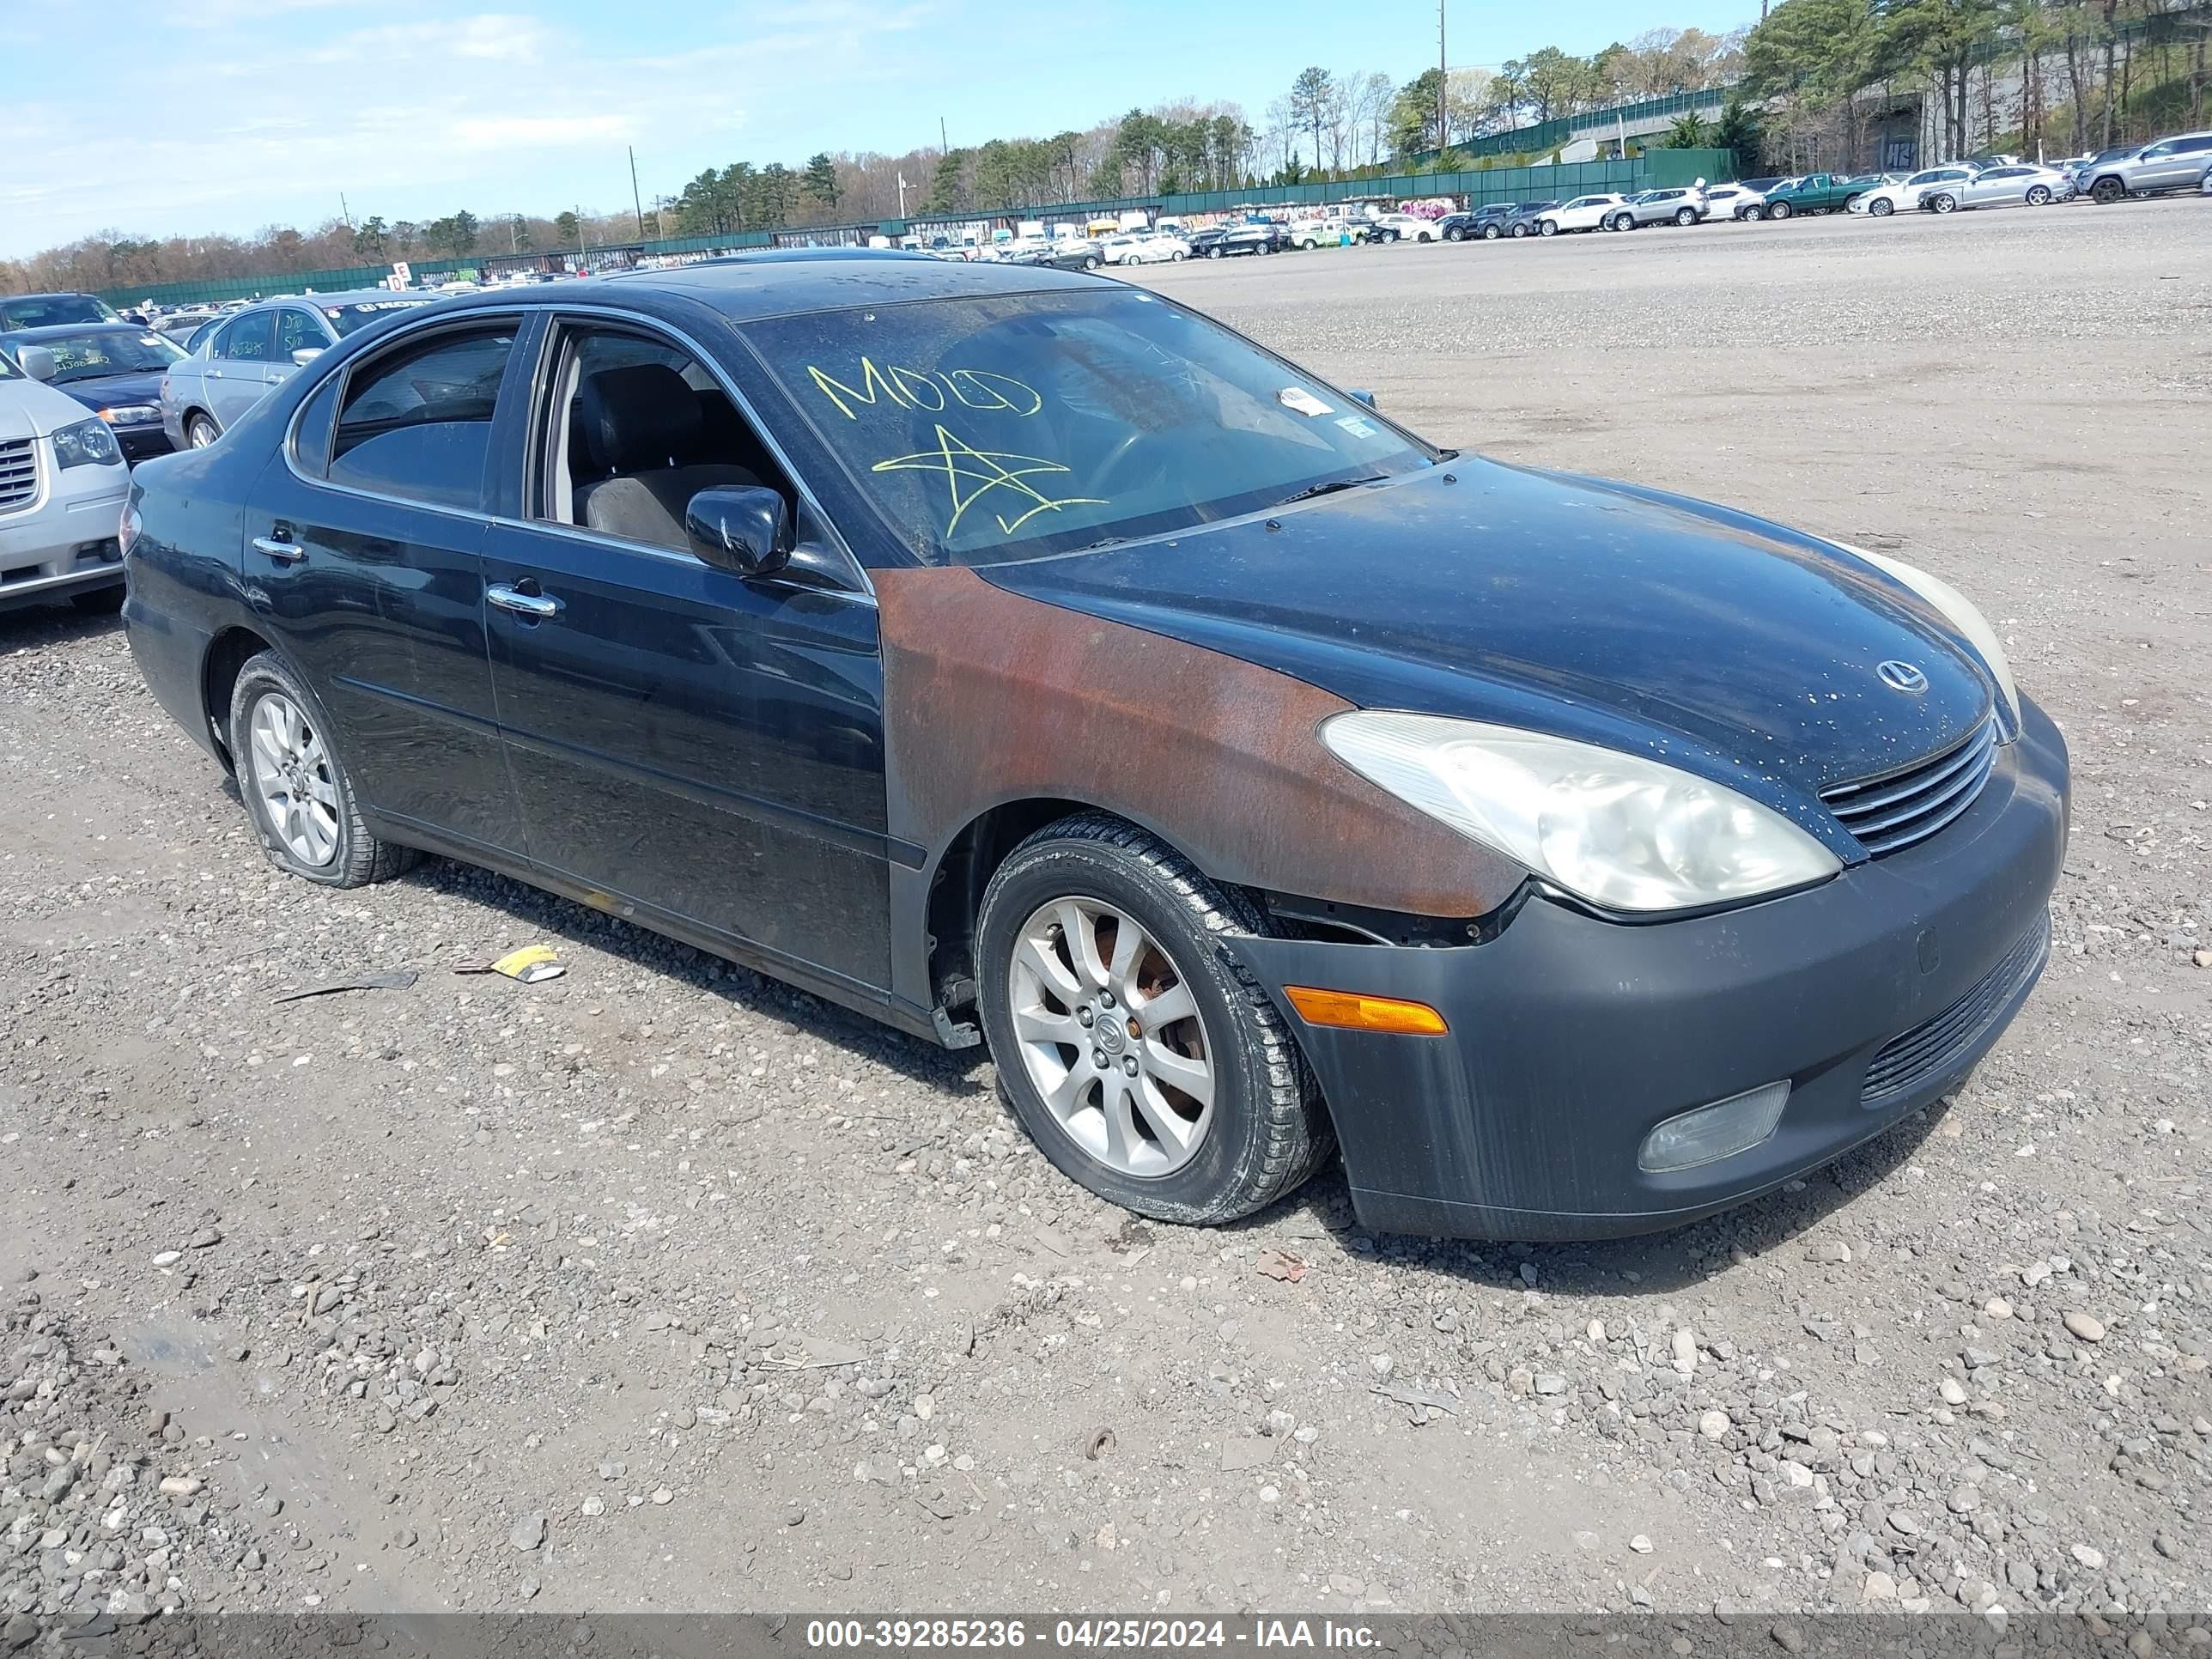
{"points": [[114, 369], [1023, 658]]}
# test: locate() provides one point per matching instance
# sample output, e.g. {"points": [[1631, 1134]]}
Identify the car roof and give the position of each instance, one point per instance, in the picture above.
{"points": [[776, 281]]}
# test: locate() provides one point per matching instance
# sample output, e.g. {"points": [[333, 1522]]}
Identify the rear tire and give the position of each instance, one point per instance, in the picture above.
{"points": [[298, 792], [200, 431], [2039, 195], [1455, 234], [1262, 1130], [1520, 231], [1755, 214], [1548, 228], [1491, 233]]}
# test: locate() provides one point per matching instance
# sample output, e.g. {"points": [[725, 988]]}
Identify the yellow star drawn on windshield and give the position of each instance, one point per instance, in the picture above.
{"points": [[985, 469]]}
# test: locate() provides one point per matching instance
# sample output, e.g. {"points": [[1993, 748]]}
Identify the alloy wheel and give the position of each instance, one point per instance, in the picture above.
{"points": [[1112, 1036], [2039, 195], [292, 774], [1882, 207], [199, 432]]}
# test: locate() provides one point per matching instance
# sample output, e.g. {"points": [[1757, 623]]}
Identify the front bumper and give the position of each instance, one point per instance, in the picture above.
{"points": [[1571, 1037], [64, 541]]}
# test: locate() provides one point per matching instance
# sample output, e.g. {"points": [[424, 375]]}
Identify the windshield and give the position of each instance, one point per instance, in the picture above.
{"points": [[348, 318], [86, 356], [1009, 427], [44, 310], [8, 369]]}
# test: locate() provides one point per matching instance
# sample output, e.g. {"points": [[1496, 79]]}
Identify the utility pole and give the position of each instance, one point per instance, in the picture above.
{"points": [[636, 206], [1444, 84], [944, 144], [580, 258], [345, 212]]}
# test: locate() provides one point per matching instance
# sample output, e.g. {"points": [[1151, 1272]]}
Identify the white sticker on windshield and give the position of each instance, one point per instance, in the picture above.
{"points": [[1298, 397], [1357, 425]]}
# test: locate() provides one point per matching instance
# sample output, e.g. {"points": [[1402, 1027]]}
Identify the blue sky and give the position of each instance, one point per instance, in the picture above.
{"points": [[201, 116]]}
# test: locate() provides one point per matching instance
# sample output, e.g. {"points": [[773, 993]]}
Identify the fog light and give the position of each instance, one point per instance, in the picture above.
{"points": [[1725, 1127]]}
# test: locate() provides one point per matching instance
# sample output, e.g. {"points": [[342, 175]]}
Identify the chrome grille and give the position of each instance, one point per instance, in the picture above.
{"points": [[1908, 805], [1906, 1062], [19, 473]]}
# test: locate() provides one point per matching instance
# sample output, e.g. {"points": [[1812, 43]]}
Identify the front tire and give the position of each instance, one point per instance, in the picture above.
{"points": [[295, 788], [1548, 228], [1778, 209], [1882, 207], [1206, 1113], [1686, 216], [1490, 232], [1942, 202], [1520, 231], [2107, 191]]}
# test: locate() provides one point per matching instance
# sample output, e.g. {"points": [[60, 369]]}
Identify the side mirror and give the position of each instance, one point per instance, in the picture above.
{"points": [[1362, 397], [305, 354], [745, 528], [37, 361]]}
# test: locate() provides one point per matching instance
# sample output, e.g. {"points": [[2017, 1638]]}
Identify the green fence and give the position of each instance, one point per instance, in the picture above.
{"points": [[1542, 137], [1653, 170]]}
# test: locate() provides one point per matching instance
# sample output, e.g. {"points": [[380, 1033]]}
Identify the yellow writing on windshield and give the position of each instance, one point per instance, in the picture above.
{"points": [[908, 388], [970, 473]]}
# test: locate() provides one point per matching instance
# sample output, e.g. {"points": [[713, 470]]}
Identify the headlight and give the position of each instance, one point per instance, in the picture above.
{"points": [[1959, 611], [131, 415], [88, 443], [1621, 831]]}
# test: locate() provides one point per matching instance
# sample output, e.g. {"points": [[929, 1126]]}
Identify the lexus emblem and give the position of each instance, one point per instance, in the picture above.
{"points": [[1902, 676]]}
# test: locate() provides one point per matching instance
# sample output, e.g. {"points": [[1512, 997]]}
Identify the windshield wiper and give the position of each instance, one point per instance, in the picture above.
{"points": [[1330, 488]]}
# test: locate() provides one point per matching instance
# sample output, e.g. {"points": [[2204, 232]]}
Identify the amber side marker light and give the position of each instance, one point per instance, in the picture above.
{"points": [[1356, 1012]]}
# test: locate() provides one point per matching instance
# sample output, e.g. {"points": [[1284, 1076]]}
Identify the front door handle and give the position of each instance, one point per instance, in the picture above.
{"points": [[282, 551], [538, 607]]}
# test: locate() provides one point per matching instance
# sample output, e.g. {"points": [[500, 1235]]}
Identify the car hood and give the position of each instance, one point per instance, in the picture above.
{"points": [[32, 408], [1733, 647], [111, 391]]}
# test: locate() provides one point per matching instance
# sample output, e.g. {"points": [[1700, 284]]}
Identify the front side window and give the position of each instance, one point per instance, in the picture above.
{"points": [[416, 422], [298, 330], [1011, 426], [252, 338], [635, 427]]}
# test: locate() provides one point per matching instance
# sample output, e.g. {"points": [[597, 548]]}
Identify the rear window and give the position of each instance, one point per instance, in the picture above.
{"points": [[351, 318], [417, 424], [45, 310]]}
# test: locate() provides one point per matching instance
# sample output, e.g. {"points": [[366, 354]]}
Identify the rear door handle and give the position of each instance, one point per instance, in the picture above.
{"points": [[284, 552], [538, 607]]}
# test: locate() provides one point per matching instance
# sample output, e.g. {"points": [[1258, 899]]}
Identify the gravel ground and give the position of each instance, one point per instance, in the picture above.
{"points": [[659, 1286]]}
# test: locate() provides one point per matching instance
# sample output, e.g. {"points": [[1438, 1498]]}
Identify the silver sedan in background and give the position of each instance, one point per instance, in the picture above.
{"points": [[233, 367]]}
